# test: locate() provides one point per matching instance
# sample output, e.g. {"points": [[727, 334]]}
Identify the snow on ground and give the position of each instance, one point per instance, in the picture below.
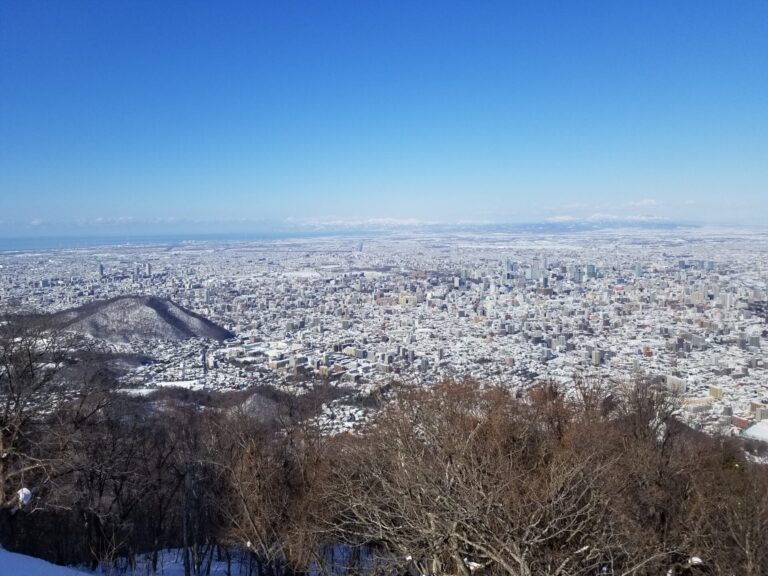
{"points": [[136, 391], [12, 564], [758, 431], [170, 564], [189, 384]]}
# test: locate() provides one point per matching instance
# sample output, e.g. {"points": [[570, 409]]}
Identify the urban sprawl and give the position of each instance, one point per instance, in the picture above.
{"points": [[687, 306]]}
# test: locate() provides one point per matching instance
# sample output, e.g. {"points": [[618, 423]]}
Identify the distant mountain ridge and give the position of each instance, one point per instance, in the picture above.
{"points": [[126, 318]]}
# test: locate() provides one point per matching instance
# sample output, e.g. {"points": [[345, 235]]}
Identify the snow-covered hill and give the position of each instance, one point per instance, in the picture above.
{"points": [[129, 317]]}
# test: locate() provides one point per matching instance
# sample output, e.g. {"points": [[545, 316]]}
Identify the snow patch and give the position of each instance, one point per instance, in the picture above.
{"points": [[12, 564]]}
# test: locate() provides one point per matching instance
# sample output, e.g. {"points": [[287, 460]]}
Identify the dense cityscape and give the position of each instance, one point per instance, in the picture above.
{"points": [[685, 305]]}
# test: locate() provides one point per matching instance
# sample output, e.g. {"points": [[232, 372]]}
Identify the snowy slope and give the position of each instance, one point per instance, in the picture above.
{"points": [[19, 565]]}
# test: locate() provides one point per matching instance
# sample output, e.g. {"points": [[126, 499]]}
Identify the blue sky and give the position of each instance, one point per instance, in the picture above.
{"points": [[123, 113]]}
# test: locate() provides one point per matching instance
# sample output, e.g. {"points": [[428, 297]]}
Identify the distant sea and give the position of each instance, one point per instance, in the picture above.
{"points": [[15, 244], [66, 242]]}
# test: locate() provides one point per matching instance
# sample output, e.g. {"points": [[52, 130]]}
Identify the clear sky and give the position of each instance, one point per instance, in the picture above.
{"points": [[134, 111]]}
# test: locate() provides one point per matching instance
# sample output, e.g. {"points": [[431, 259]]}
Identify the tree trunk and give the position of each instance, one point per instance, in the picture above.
{"points": [[184, 516]]}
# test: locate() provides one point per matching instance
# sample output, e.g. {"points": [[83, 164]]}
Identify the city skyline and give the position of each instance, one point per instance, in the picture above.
{"points": [[138, 118]]}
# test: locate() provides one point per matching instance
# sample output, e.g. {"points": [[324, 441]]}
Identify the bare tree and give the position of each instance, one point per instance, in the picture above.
{"points": [[33, 358], [462, 477], [730, 511], [273, 471]]}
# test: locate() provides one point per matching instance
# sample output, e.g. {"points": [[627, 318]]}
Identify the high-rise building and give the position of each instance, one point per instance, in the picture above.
{"points": [[509, 271], [577, 274]]}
